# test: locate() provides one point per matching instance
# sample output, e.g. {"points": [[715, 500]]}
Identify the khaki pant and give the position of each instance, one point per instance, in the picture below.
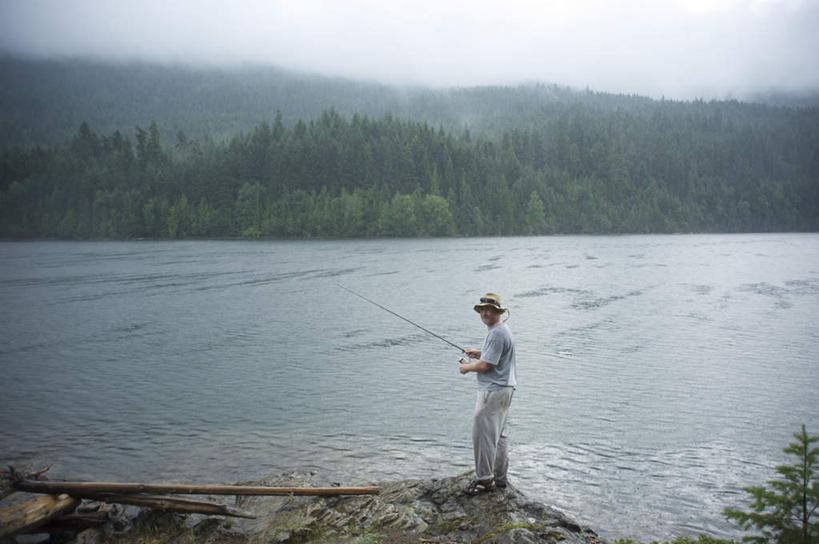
{"points": [[489, 433]]}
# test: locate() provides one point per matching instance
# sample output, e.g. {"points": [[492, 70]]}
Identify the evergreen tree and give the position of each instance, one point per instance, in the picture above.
{"points": [[665, 167], [786, 513], [180, 219], [535, 215], [249, 210]]}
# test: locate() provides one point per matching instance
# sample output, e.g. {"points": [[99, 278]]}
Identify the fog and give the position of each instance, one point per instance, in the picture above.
{"points": [[674, 48]]}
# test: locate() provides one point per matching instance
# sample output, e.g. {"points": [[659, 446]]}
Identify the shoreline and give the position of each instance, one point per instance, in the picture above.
{"points": [[404, 512]]}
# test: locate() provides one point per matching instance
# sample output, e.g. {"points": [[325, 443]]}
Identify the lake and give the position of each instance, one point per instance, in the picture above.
{"points": [[658, 375]]}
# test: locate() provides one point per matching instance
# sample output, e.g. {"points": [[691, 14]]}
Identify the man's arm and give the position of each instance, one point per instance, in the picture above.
{"points": [[476, 366]]}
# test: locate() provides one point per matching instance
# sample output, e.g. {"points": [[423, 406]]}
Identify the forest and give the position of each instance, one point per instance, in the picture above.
{"points": [[531, 160]]}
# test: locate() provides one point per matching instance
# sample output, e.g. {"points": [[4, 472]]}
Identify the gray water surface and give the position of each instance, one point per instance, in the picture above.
{"points": [[658, 374]]}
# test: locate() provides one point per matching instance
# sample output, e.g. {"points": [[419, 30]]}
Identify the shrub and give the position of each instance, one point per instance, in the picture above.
{"points": [[783, 511]]}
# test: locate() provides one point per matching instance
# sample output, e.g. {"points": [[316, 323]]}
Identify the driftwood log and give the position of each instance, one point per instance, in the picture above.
{"points": [[34, 513], [51, 513], [90, 489], [47, 514], [173, 504]]}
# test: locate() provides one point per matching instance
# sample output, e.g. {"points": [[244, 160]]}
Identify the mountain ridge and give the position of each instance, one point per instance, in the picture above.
{"points": [[43, 102]]}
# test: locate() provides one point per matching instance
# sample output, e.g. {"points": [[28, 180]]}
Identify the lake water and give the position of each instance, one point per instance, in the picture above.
{"points": [[658, 374]]}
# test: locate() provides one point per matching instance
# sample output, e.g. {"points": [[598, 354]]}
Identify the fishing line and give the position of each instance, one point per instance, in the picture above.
{"points": [[402, 317], [413, 323]]}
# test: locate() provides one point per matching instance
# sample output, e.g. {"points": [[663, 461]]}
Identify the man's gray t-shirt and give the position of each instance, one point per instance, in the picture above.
{"points": [[499, 351]]}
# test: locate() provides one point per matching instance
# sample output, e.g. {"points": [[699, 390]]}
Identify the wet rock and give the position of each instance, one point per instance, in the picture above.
{"points": [[405, 512]]}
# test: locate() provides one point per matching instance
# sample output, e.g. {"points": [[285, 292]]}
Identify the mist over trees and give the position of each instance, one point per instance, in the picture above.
{"points": [[44, 101], [533, 160]]}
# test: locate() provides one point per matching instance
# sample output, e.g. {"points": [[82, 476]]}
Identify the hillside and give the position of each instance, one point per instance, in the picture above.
{"points": [[45, 101], [150, 151]]}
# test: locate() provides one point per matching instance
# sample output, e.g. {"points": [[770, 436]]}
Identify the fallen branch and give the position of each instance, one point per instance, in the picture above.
{"points": [[36, 475], [11, 475], [173, 504], [88, 489], [34, 513]]}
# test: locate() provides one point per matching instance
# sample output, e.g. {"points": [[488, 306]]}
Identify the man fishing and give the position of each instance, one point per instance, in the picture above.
{"points": [[497, 378]]}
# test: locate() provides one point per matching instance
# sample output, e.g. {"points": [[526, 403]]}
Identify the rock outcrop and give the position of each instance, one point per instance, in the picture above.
{"points": [[405, 512]]}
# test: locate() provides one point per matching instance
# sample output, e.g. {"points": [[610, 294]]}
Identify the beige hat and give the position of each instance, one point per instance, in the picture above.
{"points": [[490, 299]]}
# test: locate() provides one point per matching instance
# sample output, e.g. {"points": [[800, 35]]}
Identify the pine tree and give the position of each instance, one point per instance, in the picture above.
{"points": [[535, 214], [783, 512]]}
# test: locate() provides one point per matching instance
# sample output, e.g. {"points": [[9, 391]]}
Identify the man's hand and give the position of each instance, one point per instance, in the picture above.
{"points": [[473, 353], [464, 368]]}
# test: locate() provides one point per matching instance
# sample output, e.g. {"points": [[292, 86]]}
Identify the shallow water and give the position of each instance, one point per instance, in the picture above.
{"points": [[658, 374]]}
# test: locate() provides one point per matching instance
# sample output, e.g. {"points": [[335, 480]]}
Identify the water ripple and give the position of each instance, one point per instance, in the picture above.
{"points": [[681, 380]]}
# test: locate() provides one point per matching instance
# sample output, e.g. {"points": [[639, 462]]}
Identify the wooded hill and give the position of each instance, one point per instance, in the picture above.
{"points": [[45, 101], [264, 153]]}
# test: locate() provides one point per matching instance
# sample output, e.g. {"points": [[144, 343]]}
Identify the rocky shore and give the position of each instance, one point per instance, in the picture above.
{"points": [[405, 512]]}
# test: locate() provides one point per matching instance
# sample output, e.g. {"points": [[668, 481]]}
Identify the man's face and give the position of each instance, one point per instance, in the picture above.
{"points": [[489, 316]]}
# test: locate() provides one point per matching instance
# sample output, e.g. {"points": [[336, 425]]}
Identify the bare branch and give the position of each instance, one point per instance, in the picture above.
{"points": [[85, 489]]}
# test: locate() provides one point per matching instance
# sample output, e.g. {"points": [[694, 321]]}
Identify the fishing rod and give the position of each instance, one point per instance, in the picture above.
{"points": [[404, 318], [462, 350]]}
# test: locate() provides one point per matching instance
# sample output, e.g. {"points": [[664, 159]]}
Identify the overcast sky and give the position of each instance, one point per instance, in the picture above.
{"points": [[672, 48]]}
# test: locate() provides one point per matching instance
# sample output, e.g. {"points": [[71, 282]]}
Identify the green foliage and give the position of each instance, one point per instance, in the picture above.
{"points": [[369, 538], [398, 217], [702, 539], [508, 527], [785, 512], [665, 167], [437, 217], [535, 215], [249, 210]]}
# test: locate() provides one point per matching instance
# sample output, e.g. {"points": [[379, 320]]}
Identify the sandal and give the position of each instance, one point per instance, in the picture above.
{"points": [[476, 487]]}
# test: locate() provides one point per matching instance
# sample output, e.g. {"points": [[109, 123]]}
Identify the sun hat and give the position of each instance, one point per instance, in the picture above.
{"points": [[490, 299]]}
